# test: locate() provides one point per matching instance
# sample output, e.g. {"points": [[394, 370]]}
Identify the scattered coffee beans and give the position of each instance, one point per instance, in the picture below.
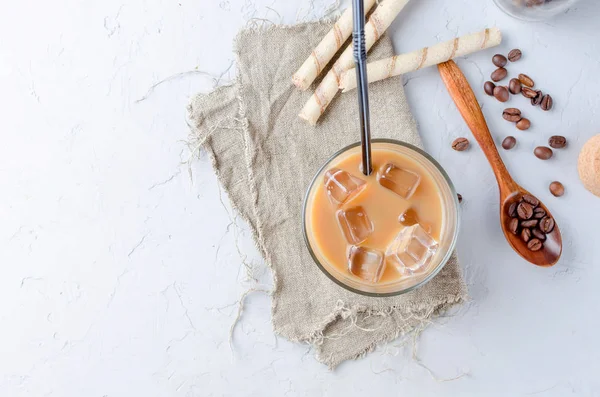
{"points": [[557, 189], [546, 102], [509, 142], [511, 114], [526, 80], [498, 74], [538, 98], [514, 86], [543, 152], [514, 55], [501, 93], [523, 124], [499, 60], [528, 92], [488, 87], [526, 223], [460, 144], [557, 141]]}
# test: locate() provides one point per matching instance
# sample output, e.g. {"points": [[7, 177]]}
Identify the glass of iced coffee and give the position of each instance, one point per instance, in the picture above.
{"points": [[383, 234]]}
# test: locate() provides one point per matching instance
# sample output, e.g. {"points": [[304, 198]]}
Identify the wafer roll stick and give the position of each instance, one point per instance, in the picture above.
{"points": [[379, 21], [425, 57], [326, 49]]}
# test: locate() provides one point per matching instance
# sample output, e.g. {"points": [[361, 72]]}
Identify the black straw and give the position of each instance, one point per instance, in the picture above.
{"points": [[360, 58]]}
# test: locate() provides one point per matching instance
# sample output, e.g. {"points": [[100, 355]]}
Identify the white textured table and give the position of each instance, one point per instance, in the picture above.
{"points": [[120, 276]]}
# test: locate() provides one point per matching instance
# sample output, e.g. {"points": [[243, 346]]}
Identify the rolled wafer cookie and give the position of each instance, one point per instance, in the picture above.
{"points": [[379, 21], [326, 49], [589, 165], [425, 57]]}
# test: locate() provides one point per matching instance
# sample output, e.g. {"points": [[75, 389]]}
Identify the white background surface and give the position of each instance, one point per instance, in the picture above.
{"points": [[120, 275]]}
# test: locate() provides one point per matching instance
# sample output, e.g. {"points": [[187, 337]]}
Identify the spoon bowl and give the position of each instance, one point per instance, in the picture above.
{"points": [[552, 248], [510, 191]]}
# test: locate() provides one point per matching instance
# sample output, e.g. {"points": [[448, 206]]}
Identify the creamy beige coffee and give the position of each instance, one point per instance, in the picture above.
{"points": [[378, 228]]}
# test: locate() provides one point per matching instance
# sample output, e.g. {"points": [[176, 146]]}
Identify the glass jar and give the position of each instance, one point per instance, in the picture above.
{"points": [[534, 10], [448, 234]]}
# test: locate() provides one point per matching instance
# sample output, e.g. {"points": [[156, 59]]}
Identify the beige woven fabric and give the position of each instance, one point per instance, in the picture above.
{"points": [[265, 157]]}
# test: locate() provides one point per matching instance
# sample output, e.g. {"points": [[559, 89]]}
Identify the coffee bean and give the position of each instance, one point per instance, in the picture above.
{"points": [[512, 210], [526, 80], [501, 93], [557, 189], [525, 235], [528, 198], [523, 124], [543, 152], [514, 55], [538, 98], [546, 102], [488, 87], [539, 213], [460, 144], [557, 141], [528, 92], [534, 244], [459, 197], [537, 233], [514, 86], [524, 210], [498, 74], [546, 224], [511, 114], [513, 226], [499, 60], [509, 142], [530, 223]]}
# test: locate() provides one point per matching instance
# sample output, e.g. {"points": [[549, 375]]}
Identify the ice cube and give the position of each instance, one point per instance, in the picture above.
{"points": [[366, 263], [341, 185], [398, 180], [412, 250], [355, 224]]}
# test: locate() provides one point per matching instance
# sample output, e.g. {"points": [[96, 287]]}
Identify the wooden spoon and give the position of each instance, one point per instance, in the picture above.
{"points": [[510, 191]]}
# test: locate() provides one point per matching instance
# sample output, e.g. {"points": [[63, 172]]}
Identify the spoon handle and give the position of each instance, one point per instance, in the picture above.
{"points": [[467, 104]]}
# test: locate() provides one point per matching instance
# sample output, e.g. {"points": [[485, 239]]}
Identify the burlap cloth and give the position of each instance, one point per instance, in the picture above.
{"points": [[265, 156]]}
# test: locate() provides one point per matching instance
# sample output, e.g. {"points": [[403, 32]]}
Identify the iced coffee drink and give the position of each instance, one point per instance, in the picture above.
{"points": [[385, 233]]}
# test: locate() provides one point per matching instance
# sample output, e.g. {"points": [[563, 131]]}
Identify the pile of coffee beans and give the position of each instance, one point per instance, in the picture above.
{"points": [[530, 221]]}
